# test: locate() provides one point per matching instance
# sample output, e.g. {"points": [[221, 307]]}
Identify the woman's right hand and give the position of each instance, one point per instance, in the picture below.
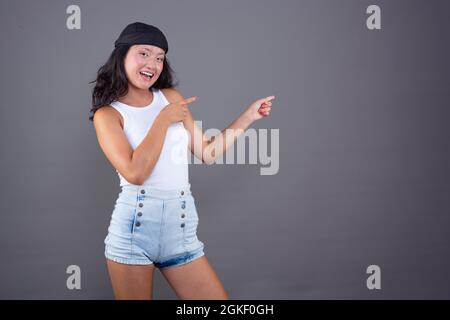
{"points": [[176, 111]]}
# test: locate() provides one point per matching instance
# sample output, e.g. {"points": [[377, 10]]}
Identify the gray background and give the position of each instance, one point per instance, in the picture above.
{"points": [[364, 149]]}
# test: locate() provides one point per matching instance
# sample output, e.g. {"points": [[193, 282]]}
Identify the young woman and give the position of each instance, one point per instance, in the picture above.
{"points": [[144, 127]]}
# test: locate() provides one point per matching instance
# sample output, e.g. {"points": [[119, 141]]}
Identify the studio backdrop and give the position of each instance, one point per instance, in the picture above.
{"points": [[342, 193]]}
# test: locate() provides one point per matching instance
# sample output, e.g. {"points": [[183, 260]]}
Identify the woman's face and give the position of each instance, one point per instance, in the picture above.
{"points": [[143, 58]]}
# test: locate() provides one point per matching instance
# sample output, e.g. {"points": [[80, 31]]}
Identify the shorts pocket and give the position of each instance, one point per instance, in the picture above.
{"points": [[123, 219], [190, 203], [127, 198]]}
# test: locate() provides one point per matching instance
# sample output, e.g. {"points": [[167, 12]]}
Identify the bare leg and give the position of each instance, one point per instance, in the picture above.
{"points": [[131, 282], [195, 280]]}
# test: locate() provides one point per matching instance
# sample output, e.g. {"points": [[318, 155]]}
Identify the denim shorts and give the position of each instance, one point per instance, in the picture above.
{"points": [[153, 226]]}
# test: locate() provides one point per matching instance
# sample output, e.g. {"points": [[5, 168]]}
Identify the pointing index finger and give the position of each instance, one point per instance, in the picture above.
{"points": [[190, 100], [266, 99]]}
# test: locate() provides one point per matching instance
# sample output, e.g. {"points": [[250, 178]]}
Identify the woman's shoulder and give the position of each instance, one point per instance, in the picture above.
{"points": [[108, 112], [172, 94]]}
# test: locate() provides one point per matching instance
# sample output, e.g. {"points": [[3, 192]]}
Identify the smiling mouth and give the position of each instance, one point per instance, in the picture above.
{"points": [[147, 75]]}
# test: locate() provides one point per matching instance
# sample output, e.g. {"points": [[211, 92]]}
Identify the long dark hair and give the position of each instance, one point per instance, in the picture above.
{"points": [[112, 83]]}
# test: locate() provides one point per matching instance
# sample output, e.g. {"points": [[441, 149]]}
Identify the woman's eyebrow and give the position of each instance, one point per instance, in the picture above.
{"points": [[161, 53]]}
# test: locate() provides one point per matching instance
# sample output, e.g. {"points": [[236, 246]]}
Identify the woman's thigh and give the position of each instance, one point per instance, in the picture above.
{"points": [[195, 280], [131, 282]]}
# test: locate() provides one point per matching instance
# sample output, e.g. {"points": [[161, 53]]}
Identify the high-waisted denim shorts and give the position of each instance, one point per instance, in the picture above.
{"points": [[153, 226]]}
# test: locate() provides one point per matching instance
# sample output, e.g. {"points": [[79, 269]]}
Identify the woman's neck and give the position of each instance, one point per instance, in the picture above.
{"points": [[137, 98]]}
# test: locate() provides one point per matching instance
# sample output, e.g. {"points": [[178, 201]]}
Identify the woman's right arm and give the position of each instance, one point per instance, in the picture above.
{"points": [[135, 166]]}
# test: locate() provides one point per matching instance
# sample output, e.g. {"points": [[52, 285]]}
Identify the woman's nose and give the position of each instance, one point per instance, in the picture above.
{"points": [[150, 65]]}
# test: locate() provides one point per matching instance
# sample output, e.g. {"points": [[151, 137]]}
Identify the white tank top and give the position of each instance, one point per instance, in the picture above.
{"points": [[171, 169]]}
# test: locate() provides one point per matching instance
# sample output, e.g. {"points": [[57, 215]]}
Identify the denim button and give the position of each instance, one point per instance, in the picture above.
{"points": [[141, 205], [182, 192], [139, 214], [183, 206], [138, 224], [182, 225], [183, 215], [142, 191]]}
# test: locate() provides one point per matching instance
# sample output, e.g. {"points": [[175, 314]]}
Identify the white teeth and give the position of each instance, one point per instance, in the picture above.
{"points": [[147, 73]]}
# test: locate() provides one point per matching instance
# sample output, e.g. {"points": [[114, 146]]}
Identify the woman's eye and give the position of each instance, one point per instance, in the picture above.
{"points": [[145, 54]]}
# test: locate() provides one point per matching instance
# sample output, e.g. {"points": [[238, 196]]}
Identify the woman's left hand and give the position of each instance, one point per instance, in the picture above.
{"points": [[260, 108]]}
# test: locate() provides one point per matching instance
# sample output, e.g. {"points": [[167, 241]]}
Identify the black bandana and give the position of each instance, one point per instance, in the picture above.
{"points": [[141, 33]]}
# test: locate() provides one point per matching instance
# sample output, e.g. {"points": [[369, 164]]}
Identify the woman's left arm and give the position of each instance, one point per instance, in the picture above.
{"points": [[221, 142], [208, 150]]}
